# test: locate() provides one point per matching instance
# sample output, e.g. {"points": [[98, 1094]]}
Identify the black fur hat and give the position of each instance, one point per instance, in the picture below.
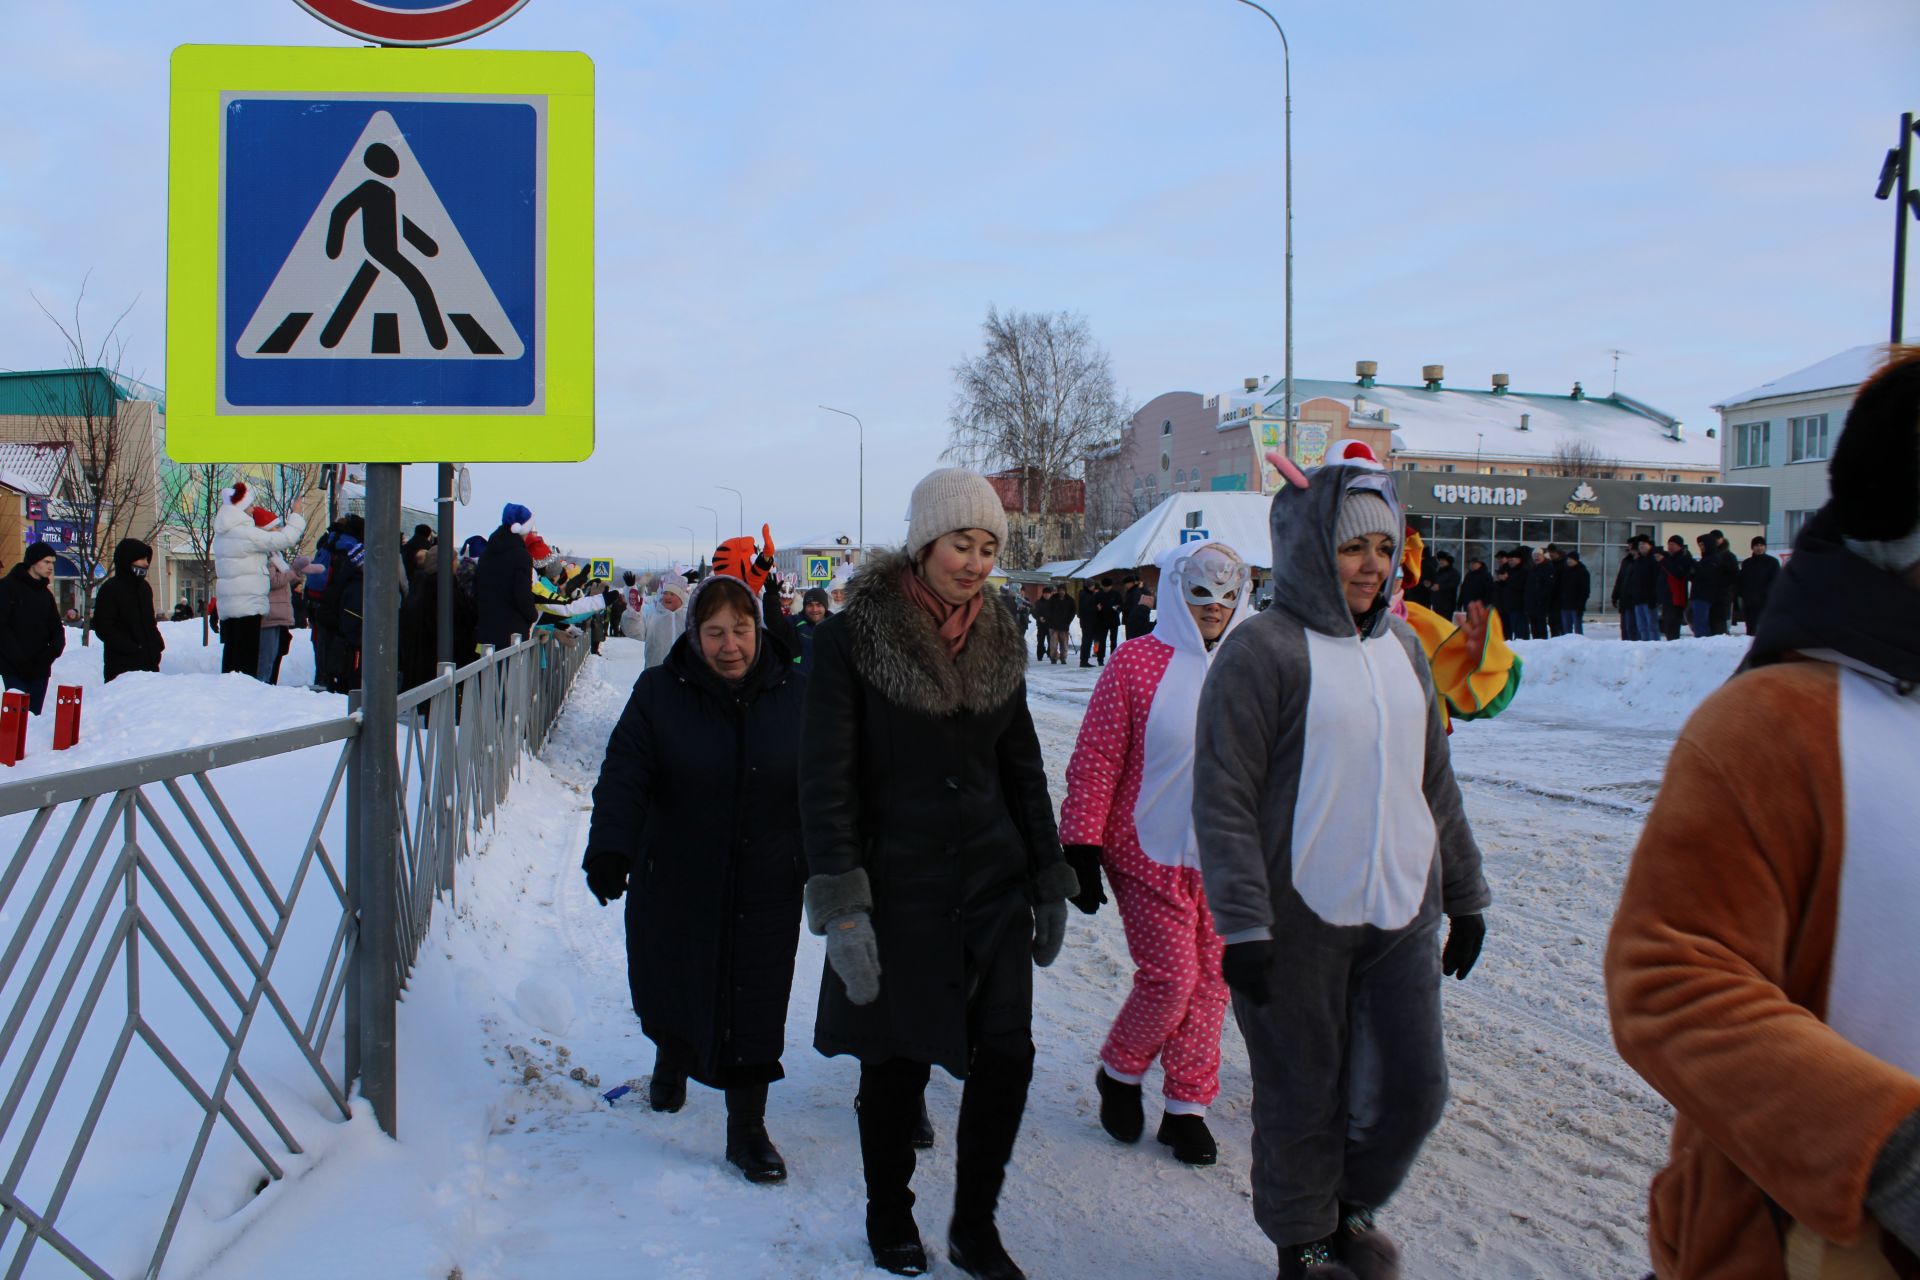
{"points": [[1875, 472]]}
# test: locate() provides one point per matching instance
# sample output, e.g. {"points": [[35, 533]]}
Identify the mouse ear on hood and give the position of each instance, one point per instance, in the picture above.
{"points": [[1285, 466]]}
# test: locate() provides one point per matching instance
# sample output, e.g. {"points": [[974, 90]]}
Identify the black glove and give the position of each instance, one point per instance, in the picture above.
{"points": [[1464, 937], [1245, 966], [606, 876], [1085, 861]]}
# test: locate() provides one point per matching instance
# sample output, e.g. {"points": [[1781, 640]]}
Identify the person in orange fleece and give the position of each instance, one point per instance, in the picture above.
{"points": [[1760, 969]]}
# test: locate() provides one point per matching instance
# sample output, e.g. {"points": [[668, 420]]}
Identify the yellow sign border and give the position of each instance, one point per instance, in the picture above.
{"points": [[812, 561], [197, 432]]}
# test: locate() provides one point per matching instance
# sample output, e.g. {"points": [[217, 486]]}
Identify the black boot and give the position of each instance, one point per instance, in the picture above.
{"points": [[991, 1106], [667, 1088], [1120, 1112], [749, 1149], [1311, 1261], [1191, 1140], [890, 1095]]}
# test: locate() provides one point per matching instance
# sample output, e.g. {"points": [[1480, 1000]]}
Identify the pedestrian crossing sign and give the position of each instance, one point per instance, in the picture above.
{"points": [[600, 570], [819, 568], [380, 254]]}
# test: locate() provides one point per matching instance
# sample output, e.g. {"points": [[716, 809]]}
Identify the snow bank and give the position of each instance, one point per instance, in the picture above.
{"points": [[1613, 681]]}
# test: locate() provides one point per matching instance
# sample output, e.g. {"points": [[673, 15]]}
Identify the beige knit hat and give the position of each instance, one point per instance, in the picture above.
{"points": [[953, 498]]}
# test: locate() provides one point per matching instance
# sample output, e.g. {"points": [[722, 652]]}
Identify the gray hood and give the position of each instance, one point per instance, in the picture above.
{"points": [[1306, 568]]}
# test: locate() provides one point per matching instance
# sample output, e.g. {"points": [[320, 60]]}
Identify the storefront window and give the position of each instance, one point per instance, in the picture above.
{"points": [[1536, 532], [1566, 531], [1506, 531]]}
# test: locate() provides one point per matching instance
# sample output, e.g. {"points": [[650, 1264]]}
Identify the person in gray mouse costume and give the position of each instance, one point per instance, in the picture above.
{"points": [[1332, 840]]}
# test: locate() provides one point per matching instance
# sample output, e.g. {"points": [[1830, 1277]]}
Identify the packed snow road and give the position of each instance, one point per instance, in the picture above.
{"points": [[510, 1165]]}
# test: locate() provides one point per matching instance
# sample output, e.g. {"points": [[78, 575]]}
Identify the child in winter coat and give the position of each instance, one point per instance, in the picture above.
{"points": [[1332, 840], [1129, 809]]}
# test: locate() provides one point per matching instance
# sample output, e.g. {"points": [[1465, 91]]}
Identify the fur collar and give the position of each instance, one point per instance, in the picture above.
{"points": [[896, 649]]}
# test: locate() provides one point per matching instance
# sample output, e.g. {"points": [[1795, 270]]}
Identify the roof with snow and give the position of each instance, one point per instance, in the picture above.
{"points": [[32, 469], [1237, 519], [1836, 373], [1061, 568], [1452, 423]]}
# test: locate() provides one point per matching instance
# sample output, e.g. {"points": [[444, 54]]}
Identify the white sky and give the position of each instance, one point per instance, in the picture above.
{"points": [[806, 204]]}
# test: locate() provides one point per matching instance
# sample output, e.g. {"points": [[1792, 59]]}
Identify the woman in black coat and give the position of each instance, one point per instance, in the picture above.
{"points": [[123, 614], [698, 811], [31, 635], [935, 867]]}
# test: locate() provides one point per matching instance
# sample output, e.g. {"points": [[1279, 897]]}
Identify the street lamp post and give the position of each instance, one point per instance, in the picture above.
{"points": [[716, 521], [1286, 63], [743, 506], [1896, 182], [863, 474], [691, 562]]}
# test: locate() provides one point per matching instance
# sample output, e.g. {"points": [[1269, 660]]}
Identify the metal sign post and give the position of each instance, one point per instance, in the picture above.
{"points": [[443, 604], [376, 976]]}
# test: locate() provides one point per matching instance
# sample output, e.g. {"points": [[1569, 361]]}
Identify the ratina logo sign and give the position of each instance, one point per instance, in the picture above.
{"points": [[1585, 502]]}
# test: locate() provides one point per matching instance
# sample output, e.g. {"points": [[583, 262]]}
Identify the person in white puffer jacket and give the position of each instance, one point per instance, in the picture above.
{"points": [[241, 545]]}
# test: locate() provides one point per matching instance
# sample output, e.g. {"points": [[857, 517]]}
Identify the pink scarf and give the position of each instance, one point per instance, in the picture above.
{"points": [[953, 622]]}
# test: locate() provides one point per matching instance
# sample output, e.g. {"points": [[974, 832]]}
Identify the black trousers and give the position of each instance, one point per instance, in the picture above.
{"points": [[240, 645], [991, 1106], [1092, 641], [1720, 618], [1671, 616], [1040, 636], [1514, 623], [1538, 628]]}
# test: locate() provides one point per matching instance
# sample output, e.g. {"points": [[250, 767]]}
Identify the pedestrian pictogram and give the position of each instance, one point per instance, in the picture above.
{"points": [[600, 570], [819, 568], [380, 270], [380, 254]]}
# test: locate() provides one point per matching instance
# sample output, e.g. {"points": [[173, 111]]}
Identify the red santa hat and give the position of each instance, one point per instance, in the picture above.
{"points": [[265, 519], [239, 495], [1354, 453]]}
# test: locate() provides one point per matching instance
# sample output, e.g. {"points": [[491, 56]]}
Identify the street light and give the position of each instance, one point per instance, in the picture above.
{"points": [[743, 506], [863, 474], [691, 561], [716, 522], [1286, 63], [1896, 179]]}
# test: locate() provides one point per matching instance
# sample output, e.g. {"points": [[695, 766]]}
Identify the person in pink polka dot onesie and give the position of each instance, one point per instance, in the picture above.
{"points": [[1129, 810]]}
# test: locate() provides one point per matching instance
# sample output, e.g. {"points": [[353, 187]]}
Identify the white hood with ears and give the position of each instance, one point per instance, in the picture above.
{"points": [[1163, 815]]}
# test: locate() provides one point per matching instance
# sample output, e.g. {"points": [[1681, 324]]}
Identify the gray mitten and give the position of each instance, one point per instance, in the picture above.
{"points": [[1049, 931], [1893, 1192], [854, 953]]}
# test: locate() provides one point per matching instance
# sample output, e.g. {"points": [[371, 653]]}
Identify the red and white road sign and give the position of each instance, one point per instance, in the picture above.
{"points": [[412, 22]]}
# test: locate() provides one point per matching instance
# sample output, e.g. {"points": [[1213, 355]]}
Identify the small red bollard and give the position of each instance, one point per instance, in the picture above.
{"points": [[66, 716], [13, 727]]}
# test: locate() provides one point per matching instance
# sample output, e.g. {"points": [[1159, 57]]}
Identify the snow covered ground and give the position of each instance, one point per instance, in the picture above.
{"points": [[510, 1165]]}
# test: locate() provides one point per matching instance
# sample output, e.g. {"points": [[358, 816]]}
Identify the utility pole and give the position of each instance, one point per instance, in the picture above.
{"points": [[1286, 64], [1896, 180], [863, 474]]}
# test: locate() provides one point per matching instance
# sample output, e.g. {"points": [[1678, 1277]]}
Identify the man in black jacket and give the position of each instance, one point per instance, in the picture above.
{"points": [[123, 614], [1757, 573], [1645, 582], [1537, 596], [1571, 592], [1093, 627], [1445, 585], [1726, 584], [1509, 584], [1477, 586], [503, 584], [31, 636], [1676, 567], [1059, 618]]}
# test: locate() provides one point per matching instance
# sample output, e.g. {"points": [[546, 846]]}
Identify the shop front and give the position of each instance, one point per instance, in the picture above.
{"points": [[1476, 515]]}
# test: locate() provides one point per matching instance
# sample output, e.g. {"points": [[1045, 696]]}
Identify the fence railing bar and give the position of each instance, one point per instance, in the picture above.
{"points": [[200, 887], [336, 952], [171, 902], [38, 1229], [23, 854], [240, 894], [232, 828], [78, 1152], [122, 775], [49, 880]]}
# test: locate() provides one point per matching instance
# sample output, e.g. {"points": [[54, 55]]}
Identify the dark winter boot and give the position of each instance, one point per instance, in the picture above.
{"points": [[991, 1106], [1314, 1261], [890, 1093], [975, 1248], [1191, 1140], [923, 1130], [1120, 1111], [749, 1149], [667, 1089], [1369, 1252]]}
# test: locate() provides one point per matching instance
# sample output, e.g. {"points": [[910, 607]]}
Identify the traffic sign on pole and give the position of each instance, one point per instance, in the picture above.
{"points": [[380, 255], [413, 22], [819, 568]]}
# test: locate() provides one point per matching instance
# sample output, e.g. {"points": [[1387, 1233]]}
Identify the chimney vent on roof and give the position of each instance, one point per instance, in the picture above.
{"points": [[1579, 392], [1251, 384], [1433, 373], [1526, 422], [1366, 371], [1500, 382], [1678, 432]]}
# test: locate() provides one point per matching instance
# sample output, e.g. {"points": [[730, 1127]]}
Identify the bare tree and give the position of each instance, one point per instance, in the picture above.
{"points": [[1580, 459], [1036, 403], [284, 486], [121, 465], [191, 495]]}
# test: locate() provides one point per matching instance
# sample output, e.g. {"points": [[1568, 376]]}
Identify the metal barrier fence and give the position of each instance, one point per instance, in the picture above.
{"points": [[178, 949]]}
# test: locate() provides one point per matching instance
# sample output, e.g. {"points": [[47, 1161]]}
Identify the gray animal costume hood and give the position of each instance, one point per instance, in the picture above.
{"points": [[895, 646], [1306, 561]]}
